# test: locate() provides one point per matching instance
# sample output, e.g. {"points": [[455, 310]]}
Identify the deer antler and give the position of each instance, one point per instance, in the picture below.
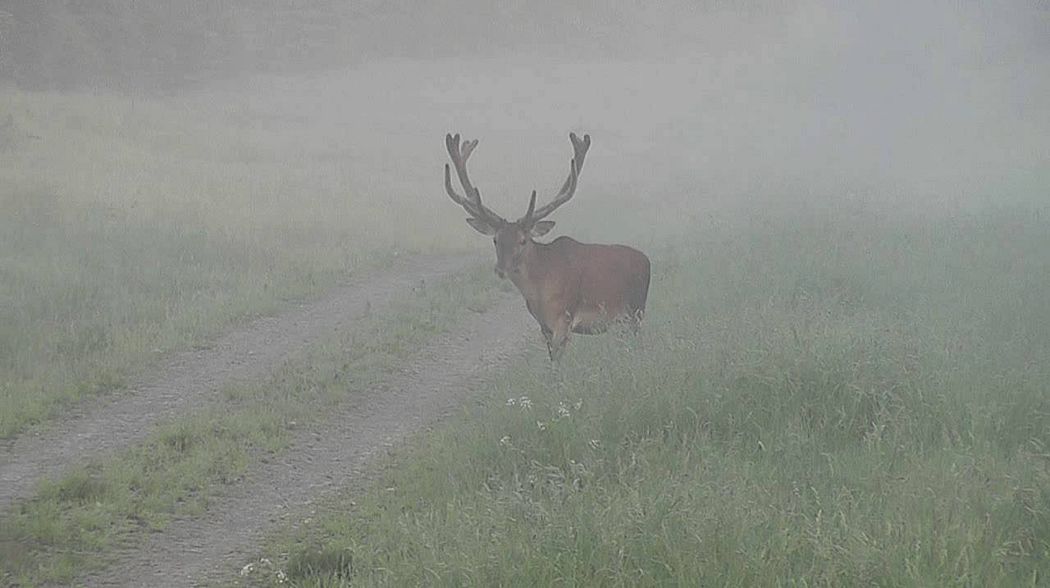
{"points": [[472, 203], [568, 189]]}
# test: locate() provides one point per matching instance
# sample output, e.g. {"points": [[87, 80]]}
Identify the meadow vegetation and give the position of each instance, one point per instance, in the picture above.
{"points": [[823, 395], [73, 523]]}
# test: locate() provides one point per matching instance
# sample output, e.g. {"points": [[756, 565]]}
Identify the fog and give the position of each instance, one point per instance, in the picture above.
{"points": [[688, 103]]}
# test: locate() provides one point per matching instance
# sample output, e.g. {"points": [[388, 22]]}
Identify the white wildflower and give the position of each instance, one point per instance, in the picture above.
{"points": [[247, 569], [281, 577], [505, 441], [541, 425], [563, 411], [524, 402], [577, 405], [595, 444], [512, 401]]}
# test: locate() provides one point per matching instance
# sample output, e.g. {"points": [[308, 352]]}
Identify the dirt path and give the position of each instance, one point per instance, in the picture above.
{"points": [[186, 379], [192, 551]]}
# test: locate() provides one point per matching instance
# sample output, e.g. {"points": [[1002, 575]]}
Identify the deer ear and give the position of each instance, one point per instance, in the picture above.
{"points": [[541, 228], [481, 226]]}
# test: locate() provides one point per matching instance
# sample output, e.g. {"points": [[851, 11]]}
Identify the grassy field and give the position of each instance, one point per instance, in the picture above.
{"points": [[839, 395], [73, 523]]}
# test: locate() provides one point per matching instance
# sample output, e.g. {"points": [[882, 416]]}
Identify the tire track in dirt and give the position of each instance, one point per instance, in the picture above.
{"points": [[333, 455], [106, 425]]}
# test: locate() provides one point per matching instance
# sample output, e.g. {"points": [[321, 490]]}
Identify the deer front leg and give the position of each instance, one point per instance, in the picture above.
{"points": [[559, 335], [546, 337]]}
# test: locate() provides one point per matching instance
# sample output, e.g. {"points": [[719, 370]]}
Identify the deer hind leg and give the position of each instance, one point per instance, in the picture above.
{"points": [[634, 321]]}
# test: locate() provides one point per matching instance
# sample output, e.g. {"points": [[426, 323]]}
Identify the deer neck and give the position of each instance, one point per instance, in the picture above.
{"points": [[528, 279]]}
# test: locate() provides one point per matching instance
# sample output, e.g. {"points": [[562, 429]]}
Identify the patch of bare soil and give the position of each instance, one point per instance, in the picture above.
{"points": [[185, 380], [196, 551]]}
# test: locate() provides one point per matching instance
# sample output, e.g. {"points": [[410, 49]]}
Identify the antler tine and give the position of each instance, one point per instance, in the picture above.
{"points": [[532, 206], [580, 148], [466, 204], [472, 203], [568, 189]]}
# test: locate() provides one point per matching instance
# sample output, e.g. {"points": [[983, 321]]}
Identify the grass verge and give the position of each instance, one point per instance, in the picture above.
{"points": [[820, 398], [74, 522]]}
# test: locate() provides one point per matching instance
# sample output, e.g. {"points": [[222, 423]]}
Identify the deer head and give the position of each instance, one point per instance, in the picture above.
{"points": [[513, 240]]}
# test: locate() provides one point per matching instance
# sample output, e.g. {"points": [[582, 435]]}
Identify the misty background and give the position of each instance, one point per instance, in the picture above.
{"points": [[688, 102]]}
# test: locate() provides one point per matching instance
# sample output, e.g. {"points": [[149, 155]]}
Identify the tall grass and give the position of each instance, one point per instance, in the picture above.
{"points": [[839, 397]]}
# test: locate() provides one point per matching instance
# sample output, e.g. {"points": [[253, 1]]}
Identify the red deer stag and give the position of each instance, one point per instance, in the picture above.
{"points": [[569, 287]]}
